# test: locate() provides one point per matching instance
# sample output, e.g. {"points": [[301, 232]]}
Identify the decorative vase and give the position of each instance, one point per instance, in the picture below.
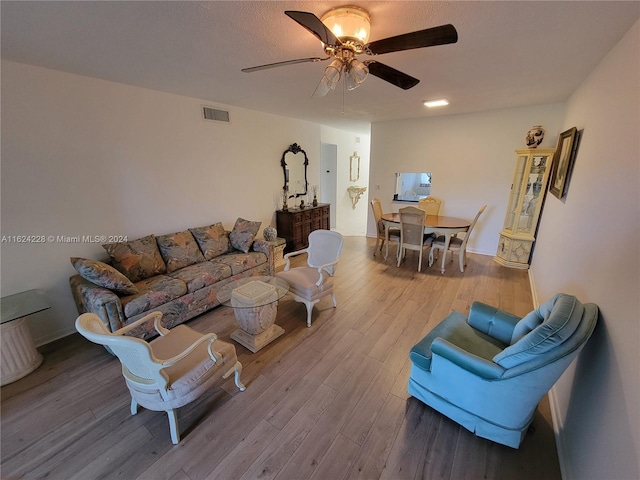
{"points": [[270, 234], [302, 204], [534, 136], [315, 201]]}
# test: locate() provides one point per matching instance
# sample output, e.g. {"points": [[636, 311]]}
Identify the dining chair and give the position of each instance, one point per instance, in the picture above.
{"points": [[309, 284], [412, 235], [431, 205], [169, 372], [394, 232], [455, 244]]}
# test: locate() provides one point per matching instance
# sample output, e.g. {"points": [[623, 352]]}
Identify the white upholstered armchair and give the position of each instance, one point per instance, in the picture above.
{"points": [[169, 372], [309, 284]]}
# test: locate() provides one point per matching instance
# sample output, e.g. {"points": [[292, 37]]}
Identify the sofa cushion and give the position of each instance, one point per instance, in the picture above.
{"points": [[103, 275], [212, 240], [562, 315], [179, 250], [239, 262], [243, 234], [137, 259], [202, 275], [152, 293]]}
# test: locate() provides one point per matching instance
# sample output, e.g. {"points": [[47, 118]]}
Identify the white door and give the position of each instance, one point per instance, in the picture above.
{"points": [[328, 185]]}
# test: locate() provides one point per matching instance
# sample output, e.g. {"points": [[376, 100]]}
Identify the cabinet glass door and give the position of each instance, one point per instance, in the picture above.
{"points": [[529, 207], [514, 196]]}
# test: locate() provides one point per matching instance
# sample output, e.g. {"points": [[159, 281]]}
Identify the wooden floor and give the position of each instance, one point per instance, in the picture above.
{"points": [[326, 402]]}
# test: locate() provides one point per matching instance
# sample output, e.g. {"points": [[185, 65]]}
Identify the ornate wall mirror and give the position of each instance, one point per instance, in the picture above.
{"points": [[354, 169], [294, 165]]}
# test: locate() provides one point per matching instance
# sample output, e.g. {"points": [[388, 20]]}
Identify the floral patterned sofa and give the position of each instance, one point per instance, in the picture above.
{"points": [[177, 274]]}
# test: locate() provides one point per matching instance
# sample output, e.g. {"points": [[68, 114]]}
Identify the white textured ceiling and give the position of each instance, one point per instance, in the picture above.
{"points": [[509, 53]]}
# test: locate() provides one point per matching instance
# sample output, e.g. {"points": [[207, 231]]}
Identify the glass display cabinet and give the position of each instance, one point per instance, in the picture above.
{"points": [[533, 166]]}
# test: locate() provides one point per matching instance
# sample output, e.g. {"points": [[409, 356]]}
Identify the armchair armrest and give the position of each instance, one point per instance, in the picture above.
{"points": [[210, 337], [465, 360], [293, 254], [155, 316], [492, 321]]}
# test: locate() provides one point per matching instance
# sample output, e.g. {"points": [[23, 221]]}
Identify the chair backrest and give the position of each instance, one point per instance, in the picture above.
{"points": [[473, 224], [412, 225], [324, 247], [556, 330], [431, 205], [376, 206], [138, 361]]}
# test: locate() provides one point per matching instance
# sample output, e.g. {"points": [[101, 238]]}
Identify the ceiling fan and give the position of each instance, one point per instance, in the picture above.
{"points": [[344, 32]]}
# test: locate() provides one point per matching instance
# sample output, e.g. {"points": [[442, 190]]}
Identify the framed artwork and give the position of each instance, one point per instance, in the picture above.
{"points": [[563, 162]]}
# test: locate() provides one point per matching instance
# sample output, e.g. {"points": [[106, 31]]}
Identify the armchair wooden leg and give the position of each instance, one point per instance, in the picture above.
{"points": [[309, 310], [173, 426], [333, 298], [236, 370]]}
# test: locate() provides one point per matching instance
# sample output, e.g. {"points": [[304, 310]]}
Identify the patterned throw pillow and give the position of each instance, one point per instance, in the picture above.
{"points": [[137, 259], [243, 233], [179, 250], [103, 275], [213, 240]]}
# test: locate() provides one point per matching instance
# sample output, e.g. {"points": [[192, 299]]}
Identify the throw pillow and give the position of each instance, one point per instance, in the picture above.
{"points": [[243, 234], [213, 240], [179, 250], [137, 259], [103, 275]]}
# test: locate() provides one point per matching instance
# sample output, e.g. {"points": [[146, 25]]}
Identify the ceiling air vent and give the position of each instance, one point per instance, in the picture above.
{"points": [[215, 115]]}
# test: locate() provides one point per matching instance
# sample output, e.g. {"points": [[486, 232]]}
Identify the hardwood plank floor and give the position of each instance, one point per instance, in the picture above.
{"points": [[326, 402]]}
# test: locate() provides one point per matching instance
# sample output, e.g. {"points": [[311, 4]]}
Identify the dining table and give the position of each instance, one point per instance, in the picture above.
{"points": [[439, 224]]}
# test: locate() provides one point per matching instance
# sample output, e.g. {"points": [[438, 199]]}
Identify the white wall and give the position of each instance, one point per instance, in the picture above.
{"points": [[82, 156], [471, 157], [589, 245], [350, 221]]}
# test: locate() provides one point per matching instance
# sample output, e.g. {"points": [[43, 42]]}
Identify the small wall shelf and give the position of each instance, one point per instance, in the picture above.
{"points": [[355, 193]]}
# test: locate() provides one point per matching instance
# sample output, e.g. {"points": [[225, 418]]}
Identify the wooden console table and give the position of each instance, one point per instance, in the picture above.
{"points": [[295, 224]]}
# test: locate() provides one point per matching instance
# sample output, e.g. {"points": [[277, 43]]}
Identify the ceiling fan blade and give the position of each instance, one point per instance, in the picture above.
{"points": [[442, 35], [391, 75], [315, 26], [281, 64]]}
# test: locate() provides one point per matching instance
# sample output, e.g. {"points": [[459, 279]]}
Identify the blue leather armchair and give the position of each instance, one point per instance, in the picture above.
{"points": [[488, 372]]}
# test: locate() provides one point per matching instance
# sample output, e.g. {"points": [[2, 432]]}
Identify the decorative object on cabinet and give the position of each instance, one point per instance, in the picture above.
{"points": [[534, 136], [285, 196], [294, 166], [354, 167], [355, 193], [295, 225], [269, 234], [528, 189], [563, 162], [314, 189]]}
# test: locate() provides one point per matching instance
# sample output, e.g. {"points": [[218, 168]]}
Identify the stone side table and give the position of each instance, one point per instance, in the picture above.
{"points": [[18, 353], [255, 304]]}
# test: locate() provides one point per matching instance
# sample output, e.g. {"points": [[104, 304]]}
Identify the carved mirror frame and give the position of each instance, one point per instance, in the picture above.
{"points": [[354, 167], [295, 150]]}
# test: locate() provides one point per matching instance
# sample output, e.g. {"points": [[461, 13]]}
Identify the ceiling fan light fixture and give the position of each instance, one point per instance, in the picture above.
{"points": [[349, 24], [332, 73], [356, 74]]}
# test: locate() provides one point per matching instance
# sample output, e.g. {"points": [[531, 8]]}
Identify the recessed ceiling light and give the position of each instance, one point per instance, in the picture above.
{"points": [[437, 103]]}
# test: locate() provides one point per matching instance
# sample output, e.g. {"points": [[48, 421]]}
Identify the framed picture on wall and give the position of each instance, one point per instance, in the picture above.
{"points": [[563, 162]]}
